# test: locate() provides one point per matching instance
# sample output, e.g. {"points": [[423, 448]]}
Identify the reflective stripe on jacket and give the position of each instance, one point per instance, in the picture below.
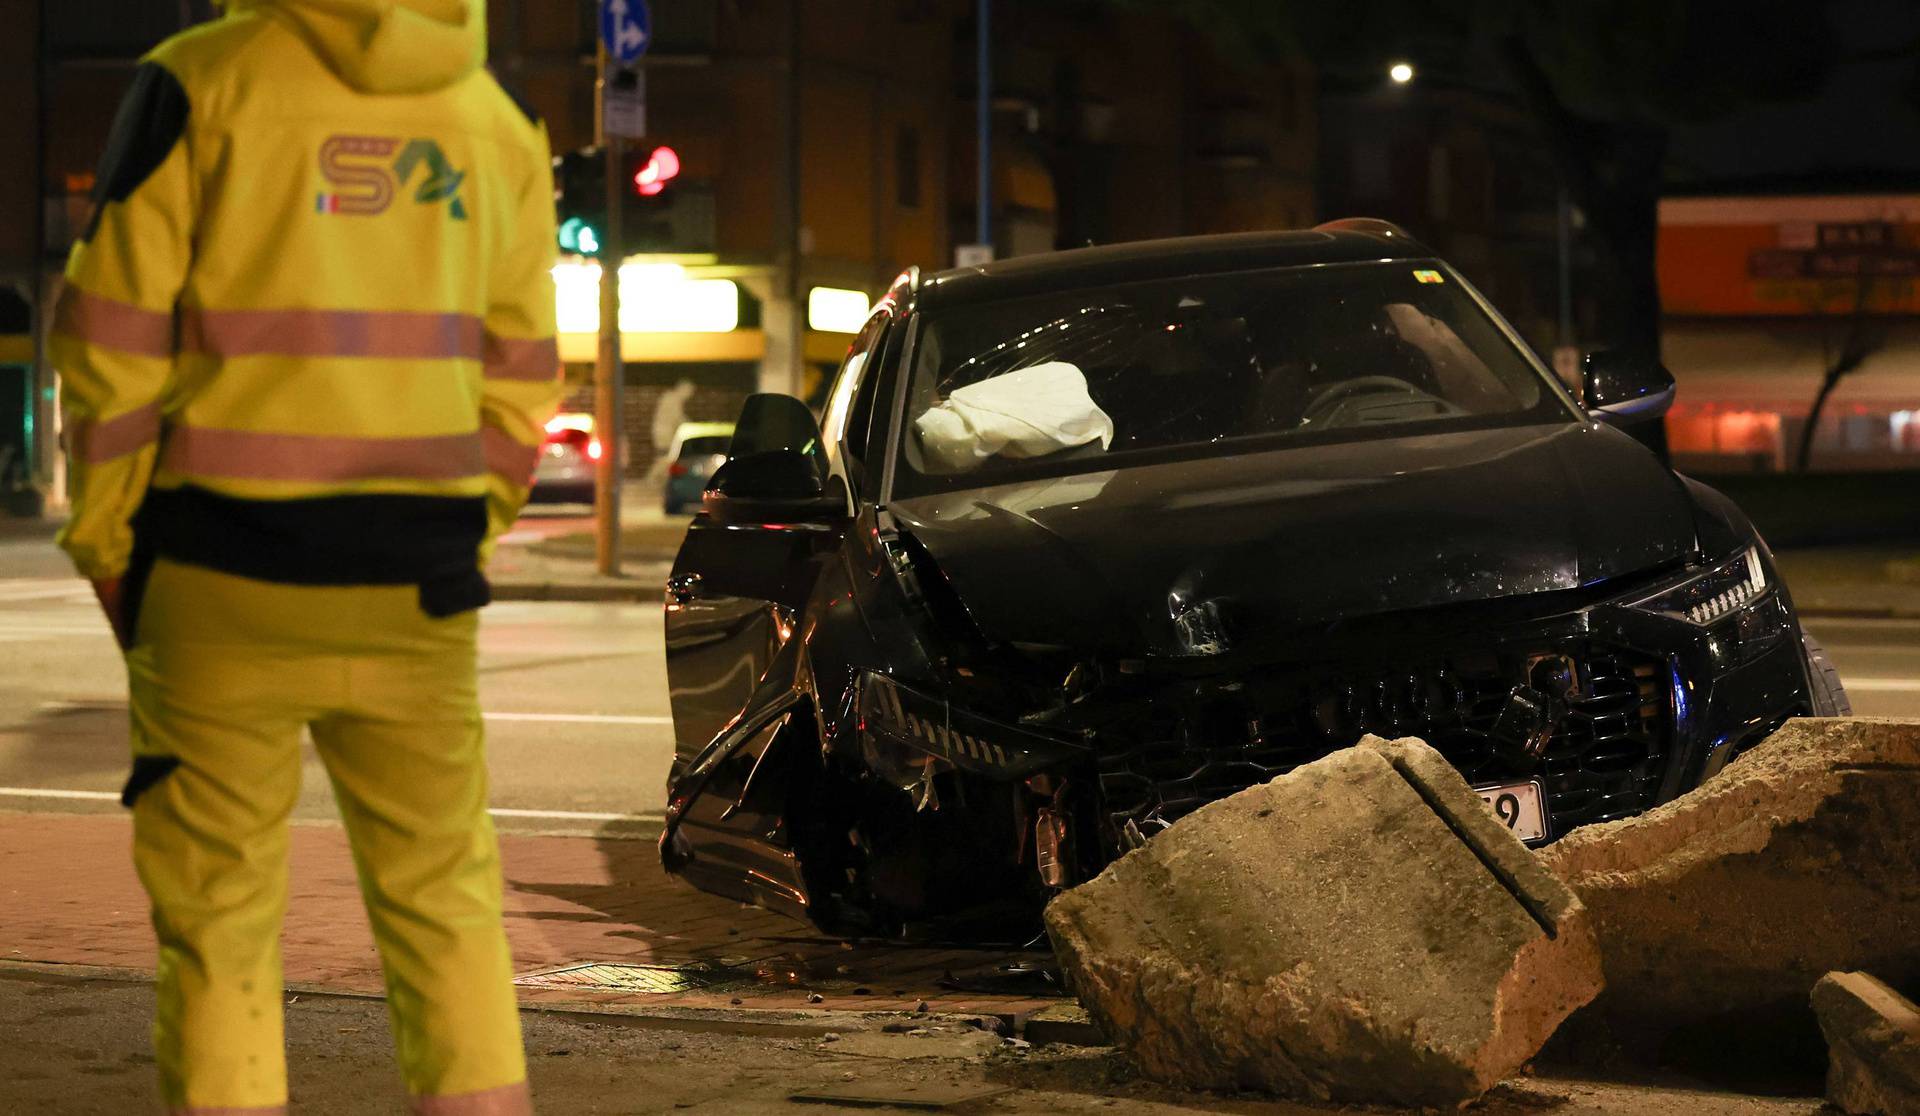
{"points": [[319, 267]]}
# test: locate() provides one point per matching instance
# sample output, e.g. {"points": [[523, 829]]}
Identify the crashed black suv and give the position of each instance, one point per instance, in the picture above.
{"points": [[1086, 541]]}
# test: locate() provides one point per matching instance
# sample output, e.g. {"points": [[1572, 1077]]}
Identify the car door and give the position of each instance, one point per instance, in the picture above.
{"points": [[736, 589]]}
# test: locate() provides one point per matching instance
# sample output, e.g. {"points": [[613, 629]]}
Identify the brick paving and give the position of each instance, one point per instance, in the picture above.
{"points": [[68, 895]]}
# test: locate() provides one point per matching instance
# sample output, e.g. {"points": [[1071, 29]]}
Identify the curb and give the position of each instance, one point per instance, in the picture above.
{"points": [[640, 592], [1845, 613]]}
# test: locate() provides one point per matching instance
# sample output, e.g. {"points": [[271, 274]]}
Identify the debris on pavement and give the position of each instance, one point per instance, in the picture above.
{"points": [[922, 1095], [1873, 1043], [1360, 929], [1726, 905]]}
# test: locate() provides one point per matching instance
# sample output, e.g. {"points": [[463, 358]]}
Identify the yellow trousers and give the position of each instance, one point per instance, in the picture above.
{"points": [[224, 674]]}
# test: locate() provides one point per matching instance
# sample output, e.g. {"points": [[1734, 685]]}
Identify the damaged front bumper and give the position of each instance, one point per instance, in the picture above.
{"points": [[906, 735]]}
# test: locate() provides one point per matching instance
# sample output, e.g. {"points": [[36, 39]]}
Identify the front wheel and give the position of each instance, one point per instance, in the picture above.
{"points": [[1829, 696]]}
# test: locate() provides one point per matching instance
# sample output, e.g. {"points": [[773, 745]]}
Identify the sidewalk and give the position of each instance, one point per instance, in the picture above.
{"points": [[1853, 581], [68, 896], [533, 572], [551, 557], [77, 1045]]}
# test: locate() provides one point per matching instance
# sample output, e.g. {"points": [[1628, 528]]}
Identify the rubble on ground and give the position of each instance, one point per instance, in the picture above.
{"points": [[1873, 1043], [1725, 906], [1360, 929]]}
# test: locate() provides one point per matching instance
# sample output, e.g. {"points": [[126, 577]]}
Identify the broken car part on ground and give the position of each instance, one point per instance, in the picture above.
{"points": [[1282, 490]]}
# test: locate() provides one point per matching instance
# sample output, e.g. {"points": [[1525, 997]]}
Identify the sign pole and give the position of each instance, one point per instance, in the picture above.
{"points": [[983, 126], [609, 371]]}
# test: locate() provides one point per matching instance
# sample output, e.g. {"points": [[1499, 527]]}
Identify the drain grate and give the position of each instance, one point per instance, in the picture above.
{"points": [[613, 977]]}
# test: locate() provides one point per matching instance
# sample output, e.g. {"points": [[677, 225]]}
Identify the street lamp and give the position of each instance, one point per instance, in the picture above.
{"points": [[1400, 72]]}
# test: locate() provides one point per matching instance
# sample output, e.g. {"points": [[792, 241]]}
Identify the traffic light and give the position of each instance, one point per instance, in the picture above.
{"points": [[580, 187], [661, 166], [576, 235]]}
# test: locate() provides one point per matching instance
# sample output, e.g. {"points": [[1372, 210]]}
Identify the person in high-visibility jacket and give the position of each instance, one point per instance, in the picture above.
{"points": [[307, 351]]}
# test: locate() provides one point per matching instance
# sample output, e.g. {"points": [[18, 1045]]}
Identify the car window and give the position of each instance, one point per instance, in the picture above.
{"points": [[860, 415], [836, 423], [1205, 365], [705, 445]]}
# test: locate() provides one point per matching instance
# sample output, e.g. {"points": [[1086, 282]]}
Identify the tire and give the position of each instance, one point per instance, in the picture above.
{"points": [[1829, 695]]}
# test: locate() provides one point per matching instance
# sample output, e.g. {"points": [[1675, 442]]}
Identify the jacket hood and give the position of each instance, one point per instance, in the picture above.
{"points": [[1190, 558], [388, 46]]}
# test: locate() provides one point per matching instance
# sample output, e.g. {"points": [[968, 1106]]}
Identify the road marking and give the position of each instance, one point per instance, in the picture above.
{"points": [[1882, 685], [534, 718], [43, 589], [1819, 622], [577, 815], [556, 815], [39, 792], [577, 719]]}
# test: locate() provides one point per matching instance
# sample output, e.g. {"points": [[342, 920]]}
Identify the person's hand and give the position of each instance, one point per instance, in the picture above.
{"points": [[111, 593]]}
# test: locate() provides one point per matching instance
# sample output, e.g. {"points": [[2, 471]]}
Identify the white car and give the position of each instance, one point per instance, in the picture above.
{"points": [[564, 474]]}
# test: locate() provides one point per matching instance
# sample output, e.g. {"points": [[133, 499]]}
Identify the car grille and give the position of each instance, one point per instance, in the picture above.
{"points": [[1610, 740]]}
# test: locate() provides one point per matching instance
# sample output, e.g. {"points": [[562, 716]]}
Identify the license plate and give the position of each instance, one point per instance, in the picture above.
{"points": [[1517, 805]]}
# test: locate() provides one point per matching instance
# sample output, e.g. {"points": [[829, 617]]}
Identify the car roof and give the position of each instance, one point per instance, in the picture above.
{"points": [[1169, 258], [701, 430]]}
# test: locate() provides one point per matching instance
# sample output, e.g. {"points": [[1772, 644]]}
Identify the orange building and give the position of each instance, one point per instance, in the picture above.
{"points": [[1764, 297]]}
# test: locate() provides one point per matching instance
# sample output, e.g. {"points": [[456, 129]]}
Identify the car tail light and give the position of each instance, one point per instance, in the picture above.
{"points": [[677, 469], [593, 449]]}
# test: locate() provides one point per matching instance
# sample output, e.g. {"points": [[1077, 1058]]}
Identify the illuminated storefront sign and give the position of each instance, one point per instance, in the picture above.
{"points": [[836, 309], [654, 298]]}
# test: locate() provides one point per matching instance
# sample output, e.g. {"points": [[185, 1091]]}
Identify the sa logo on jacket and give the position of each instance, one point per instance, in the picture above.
{"points": [[365, 174]]}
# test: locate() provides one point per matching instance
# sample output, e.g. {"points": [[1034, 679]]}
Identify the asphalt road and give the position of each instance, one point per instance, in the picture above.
{"points": [[1879, 662], [575, 698]]}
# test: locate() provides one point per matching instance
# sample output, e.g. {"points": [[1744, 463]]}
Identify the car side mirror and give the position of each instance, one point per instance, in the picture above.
{"points": [[1620, 388], [776, 470]]}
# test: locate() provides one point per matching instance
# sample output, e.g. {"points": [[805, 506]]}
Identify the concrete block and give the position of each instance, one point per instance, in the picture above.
{"points": [[1873, 1045], [1723, 907], [1360, 929]]}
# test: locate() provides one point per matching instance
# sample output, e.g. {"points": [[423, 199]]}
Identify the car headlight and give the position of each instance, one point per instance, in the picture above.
{"points": [[1716, 594]]}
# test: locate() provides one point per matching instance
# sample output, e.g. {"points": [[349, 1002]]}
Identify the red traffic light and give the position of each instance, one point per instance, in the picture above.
{"points": [[661, 167]]}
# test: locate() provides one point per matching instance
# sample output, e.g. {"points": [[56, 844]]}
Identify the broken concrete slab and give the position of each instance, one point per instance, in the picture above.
{"points": [[1873, 1044], [1360, 929], [1722, 908]]}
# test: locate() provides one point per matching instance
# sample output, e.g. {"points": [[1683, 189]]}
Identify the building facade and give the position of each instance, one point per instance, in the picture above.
{"points": [[1768, 296], [820, 149]]}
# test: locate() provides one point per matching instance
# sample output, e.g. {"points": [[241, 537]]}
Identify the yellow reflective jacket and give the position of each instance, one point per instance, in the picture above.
{"points": [[311, 326]]}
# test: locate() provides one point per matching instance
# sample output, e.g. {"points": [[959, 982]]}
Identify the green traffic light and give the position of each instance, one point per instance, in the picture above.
{"points": [[578, 236]]}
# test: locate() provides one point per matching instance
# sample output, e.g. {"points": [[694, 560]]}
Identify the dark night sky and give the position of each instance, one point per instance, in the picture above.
{"points": [[1866, 119]]}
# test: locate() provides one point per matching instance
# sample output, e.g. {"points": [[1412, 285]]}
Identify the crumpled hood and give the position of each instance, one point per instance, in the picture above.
{"points": [[1191, 558], [388, 46]]}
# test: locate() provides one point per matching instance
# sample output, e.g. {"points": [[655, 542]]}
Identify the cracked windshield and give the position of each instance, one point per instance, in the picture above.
{"points": [[1210, 364]]}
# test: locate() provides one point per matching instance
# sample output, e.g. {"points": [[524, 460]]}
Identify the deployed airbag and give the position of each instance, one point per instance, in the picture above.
{"points": [[1031, 412]]}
